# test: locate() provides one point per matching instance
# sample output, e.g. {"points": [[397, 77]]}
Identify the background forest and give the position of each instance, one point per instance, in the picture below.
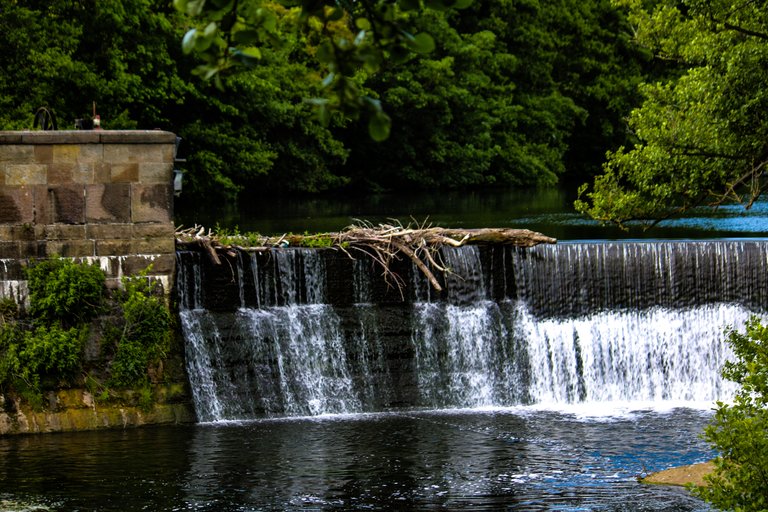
{"points": [[515, 93]]}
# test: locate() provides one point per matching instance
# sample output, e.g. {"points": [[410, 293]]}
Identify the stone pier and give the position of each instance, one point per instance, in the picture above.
{"points": [[99, 195]]}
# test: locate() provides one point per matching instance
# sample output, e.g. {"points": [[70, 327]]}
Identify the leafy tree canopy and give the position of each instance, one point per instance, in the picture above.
{"points": [[510, 92], [357, 35], [702, 137]]}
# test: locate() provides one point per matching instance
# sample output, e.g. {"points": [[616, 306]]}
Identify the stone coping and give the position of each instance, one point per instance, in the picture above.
{"points": [[87, 137]]}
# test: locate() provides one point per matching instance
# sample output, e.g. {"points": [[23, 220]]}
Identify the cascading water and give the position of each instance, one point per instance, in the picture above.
{"points": [[305, 332]]}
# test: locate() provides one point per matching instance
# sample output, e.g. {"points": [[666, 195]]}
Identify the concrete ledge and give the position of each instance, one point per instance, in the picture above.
{"points": [[88, 137]]}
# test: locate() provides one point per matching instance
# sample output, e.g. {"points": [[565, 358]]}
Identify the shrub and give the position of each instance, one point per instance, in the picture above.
{"points": [[146, 333], [63, 291], [739, 431]]}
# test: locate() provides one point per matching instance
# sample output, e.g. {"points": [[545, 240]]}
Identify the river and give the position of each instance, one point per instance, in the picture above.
{"points": [[566, 448], [524, 458]]}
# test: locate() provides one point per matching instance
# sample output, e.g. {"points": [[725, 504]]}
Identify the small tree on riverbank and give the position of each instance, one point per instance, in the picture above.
{"points": [[739, 431]]}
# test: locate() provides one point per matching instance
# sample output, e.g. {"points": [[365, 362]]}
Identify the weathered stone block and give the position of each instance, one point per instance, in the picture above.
{"points": [[138, 153], [109, 231], [25, 174], [42, 200], [61, 137], [151, 203], [66, 153], [16, 154], [71, 248], [155, 173], [10, 137], [124, 173], [68, 204], [91, 154], [113, 247], [163, 264], [9, 250], [136, 137], [43, 154], [110, 202], [60, 173], [17, 205], [65, 232], [133, 264], [25, 232], [143, 231], [10, 211], [36, 249], [153, 246], [102, 172], [83, 172]]}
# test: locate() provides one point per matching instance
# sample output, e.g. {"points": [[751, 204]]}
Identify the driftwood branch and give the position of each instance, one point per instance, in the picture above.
{"points": [[382, 243]]}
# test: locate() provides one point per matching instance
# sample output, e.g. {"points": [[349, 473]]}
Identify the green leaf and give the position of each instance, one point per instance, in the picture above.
{"points": [[195, 7], [422, 43], [248, 56], [325, 53], [363, 23], [379, 126], [180, 5]]}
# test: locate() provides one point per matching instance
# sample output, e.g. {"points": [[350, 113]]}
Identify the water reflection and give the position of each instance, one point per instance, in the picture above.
{"points": [[504, 459], [549, 211]]}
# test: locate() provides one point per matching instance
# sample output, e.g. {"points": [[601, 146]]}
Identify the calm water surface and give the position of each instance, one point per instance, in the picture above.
{"points": [[510, 459], [549, 211]]}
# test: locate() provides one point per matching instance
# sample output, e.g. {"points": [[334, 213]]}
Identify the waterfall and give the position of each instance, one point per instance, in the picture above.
{"points": [[307, 332]]}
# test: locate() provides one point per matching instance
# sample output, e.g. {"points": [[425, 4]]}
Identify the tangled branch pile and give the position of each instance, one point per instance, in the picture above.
{"points": [[384, 243]]}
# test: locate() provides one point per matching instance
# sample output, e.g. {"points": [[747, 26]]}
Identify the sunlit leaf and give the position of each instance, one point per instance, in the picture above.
{"points": [[188, 42], [363, 24], [195, 7]]}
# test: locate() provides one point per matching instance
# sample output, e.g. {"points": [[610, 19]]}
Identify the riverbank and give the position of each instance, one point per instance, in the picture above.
{"points": [[74, 410], [683, 475]]}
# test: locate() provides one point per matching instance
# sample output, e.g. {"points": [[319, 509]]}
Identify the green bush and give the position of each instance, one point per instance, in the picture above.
{"points": [[739, 431], [66, 292], [146, 334], [32, 358], [43, 348], [52, 352]]}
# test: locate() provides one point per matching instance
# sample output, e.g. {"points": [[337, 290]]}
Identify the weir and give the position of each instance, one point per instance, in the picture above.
{"points": [[307, 331]]}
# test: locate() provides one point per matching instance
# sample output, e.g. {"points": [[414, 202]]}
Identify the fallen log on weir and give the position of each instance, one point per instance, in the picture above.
{"points": [[383, 243]]}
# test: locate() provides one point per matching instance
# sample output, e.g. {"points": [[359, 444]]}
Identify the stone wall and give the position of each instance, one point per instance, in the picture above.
{"points": [[102, 196]]}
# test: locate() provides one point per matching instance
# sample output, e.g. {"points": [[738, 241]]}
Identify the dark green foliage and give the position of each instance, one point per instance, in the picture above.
{"points": [[701, 137], [511, 92], [145, 335], [739, 431], [52, 352], [43, 348], [64, 292]]}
